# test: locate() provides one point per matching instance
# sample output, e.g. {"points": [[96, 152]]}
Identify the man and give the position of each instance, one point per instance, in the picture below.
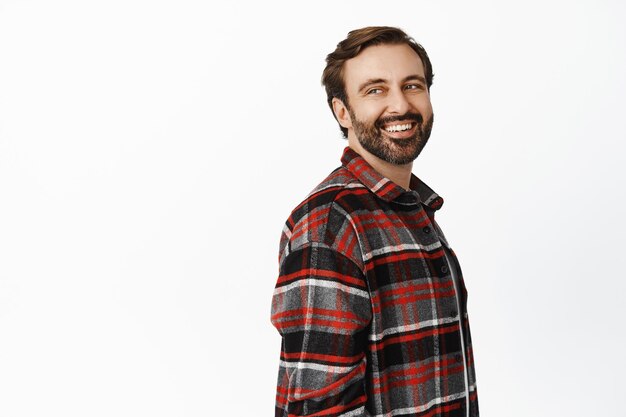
{"points": [[370, 300]]}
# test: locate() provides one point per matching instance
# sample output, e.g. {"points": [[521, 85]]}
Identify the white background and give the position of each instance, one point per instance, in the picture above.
{"points": [[150, 152]]}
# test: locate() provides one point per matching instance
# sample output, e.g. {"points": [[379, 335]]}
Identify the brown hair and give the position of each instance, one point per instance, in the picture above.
{"points": [[358, 40]]}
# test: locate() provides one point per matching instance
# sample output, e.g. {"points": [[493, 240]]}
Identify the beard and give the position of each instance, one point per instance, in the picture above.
{"points": [[391, 150]]}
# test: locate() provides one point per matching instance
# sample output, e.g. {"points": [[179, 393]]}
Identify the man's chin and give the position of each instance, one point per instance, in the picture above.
{"points": [[405, 143], [406, 151], [398, 157]]}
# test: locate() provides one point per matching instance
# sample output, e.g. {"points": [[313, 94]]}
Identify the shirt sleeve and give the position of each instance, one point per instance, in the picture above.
{"points": [[321, 308]]}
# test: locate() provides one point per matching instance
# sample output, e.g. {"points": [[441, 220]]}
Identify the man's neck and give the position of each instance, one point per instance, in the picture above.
{"points": [[400, 174]]}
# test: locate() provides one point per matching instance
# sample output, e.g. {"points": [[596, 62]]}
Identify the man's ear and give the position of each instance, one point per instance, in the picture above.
{"points": [[341, 113]]}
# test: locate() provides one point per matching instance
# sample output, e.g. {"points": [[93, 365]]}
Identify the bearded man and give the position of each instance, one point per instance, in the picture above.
{"points": [[370, 300]]}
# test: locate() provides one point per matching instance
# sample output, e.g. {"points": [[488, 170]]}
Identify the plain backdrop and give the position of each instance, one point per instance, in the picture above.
{"points": [[150, 152]]}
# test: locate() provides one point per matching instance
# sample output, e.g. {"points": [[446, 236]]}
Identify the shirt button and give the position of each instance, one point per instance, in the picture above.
{"points": [[426, 229], [453, 313], [458, 357], [444, 269]]}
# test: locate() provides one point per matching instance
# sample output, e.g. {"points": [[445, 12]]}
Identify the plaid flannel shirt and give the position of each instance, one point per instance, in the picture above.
{"points": [[366, 304]]}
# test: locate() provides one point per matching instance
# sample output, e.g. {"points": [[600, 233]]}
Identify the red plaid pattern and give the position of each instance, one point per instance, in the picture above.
{"points": [[366, 304]]}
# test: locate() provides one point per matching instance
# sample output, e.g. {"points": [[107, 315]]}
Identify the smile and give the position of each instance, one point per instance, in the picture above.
{"points": [[398, 127]]}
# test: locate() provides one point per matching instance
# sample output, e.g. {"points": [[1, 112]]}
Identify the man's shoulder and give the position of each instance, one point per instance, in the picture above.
{"points": [[335, 186], [323, 214]]}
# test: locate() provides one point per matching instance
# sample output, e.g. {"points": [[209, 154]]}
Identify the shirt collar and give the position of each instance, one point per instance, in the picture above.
{"points": [[386, 189]]}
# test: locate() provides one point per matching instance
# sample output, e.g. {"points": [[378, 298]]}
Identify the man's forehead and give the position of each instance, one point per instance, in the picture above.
{"points": [[384, 62]]}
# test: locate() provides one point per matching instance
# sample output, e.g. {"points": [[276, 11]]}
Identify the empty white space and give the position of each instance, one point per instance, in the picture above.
{"points": [[150, 152]]}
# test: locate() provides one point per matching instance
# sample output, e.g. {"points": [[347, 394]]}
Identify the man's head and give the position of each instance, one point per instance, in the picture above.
{"points": [[378, 82]]}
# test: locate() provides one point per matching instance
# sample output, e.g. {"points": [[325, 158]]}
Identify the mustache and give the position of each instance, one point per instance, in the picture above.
{"points": [[416, 117]]}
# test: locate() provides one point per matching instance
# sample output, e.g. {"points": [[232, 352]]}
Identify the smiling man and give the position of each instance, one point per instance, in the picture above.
{"points": [[370, 300]]}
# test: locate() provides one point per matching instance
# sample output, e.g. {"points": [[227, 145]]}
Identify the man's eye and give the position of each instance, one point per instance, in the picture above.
{"points": [[413, 87], [375, 91]]}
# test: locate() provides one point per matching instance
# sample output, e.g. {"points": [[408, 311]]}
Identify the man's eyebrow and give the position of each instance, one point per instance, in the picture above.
{"points": [[383, 81], [370, 82], [415, 77]]}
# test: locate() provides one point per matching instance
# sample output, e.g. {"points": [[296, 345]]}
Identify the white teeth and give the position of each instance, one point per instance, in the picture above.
{"points": [[398, 128]]}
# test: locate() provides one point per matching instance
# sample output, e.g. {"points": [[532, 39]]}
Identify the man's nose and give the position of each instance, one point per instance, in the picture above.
{"points": [[397, 102]]}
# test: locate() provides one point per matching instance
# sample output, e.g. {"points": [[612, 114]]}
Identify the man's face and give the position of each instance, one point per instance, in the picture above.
{"points": [[389, 107]]}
